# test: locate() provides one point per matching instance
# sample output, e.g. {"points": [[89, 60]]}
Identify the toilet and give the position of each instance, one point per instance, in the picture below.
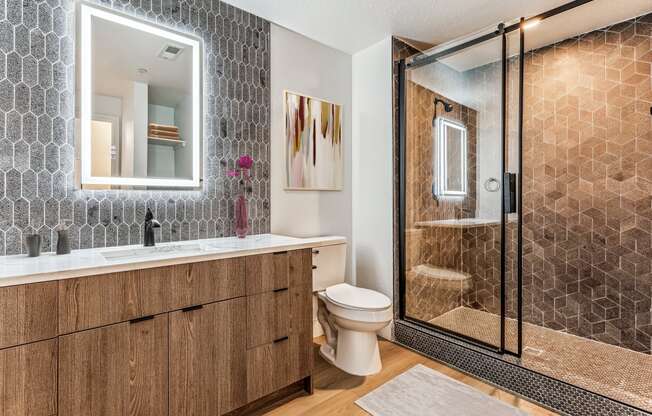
{"points": [[349, 315]]}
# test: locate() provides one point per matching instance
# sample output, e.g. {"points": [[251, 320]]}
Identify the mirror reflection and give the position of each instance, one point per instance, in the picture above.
{"points": [[452, 156], [143, 124]]}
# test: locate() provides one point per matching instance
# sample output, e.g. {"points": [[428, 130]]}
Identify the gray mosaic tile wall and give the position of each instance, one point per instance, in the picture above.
{"points": [[37, 102]]}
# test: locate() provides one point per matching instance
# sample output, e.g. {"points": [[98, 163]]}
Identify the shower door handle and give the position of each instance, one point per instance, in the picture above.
{"points": [[509, 192]]}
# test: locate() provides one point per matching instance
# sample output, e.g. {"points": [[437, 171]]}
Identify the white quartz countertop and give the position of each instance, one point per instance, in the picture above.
{"points": [[21, 269]]}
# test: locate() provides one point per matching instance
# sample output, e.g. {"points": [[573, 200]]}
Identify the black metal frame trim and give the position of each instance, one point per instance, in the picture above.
{"points": [[519, 192], [428, 59], [401, 187], [402, 67], [503, 231]]}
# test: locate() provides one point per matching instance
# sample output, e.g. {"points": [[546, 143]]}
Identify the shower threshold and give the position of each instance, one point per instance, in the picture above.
{"points": [[612, 371]]}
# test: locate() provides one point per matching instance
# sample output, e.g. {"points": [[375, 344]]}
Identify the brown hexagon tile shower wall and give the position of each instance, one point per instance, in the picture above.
{"points": [[588, 185]]}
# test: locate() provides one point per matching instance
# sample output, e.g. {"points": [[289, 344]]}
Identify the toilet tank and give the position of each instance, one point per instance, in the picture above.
{"points": [[329, 266]]}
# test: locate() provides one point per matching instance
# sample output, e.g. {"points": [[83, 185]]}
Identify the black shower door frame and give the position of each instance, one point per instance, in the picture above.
{"points": [[403, 66]]}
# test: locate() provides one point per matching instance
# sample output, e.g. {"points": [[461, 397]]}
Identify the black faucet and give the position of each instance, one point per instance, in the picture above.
{"points": [[150, 224]]}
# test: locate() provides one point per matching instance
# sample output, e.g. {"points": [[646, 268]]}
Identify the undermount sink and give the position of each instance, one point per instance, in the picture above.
{"points": [[141, 252]]}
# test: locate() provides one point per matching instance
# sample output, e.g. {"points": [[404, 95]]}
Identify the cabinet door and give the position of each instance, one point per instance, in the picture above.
{"points": [[28, 380], [207, 359], [116, 370], [28, 313]]}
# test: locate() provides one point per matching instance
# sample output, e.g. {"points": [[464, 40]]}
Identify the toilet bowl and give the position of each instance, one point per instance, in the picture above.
{"points": [[349, 315], [356, 315]]}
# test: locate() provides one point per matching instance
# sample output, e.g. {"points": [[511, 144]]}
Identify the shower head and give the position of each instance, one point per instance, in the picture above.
{"points": [[447, 106]]}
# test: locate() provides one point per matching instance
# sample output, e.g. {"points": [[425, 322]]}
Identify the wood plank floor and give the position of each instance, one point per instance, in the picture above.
{"points": [[336, 391]]}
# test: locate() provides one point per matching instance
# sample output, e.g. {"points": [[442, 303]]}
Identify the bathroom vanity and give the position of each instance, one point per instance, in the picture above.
{"points": [[207, 327]]}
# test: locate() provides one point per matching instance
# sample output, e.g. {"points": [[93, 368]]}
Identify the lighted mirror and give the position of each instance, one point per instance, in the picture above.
{"points": [[451, 156], [140, 105]]}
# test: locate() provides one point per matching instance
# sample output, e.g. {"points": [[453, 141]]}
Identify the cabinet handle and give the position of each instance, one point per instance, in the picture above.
{"points": [[315, 252], [192, 308], [283, 289], [141, 319], [314, 267], [280, 339], [280, 252]]}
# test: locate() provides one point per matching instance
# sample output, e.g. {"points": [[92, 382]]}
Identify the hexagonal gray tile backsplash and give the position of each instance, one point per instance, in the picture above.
{"points": [[37, 101]]}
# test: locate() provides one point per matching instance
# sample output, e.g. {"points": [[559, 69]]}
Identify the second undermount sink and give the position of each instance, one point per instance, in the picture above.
{"points": [[143, 252]]}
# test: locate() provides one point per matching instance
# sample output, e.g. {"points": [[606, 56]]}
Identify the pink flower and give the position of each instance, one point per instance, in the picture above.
{"points": [[232, 173], [245, 162]]}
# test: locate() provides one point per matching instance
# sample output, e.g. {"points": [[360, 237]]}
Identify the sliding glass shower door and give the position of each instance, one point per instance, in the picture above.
{"points": [[459, 164]]}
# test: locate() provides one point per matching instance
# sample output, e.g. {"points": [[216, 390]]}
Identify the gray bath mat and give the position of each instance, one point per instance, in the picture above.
{"points": [[421, 391]]}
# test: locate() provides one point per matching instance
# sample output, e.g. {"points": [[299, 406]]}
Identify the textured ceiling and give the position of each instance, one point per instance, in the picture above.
{"points": [[352, 25]]}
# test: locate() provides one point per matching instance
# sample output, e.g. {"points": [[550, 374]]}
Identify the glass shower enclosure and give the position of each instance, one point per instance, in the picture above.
{"points": [[524, 196], [459, 222]]}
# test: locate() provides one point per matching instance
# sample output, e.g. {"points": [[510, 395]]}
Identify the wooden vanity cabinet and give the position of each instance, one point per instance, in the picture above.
{"points": [[206, 338]]}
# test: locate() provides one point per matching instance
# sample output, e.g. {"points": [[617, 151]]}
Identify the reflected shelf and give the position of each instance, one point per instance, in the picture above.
{"points": [[167, 142]]}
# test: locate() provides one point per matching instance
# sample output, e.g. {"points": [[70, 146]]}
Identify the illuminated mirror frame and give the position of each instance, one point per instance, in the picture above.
{"points": [[442, 159], [87, 14]]}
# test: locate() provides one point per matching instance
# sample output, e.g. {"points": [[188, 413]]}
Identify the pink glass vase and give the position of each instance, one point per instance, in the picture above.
{"points": [[241, 217]]}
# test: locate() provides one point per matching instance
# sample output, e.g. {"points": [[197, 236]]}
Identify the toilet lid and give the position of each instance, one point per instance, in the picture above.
{"points": [[357, 297]]}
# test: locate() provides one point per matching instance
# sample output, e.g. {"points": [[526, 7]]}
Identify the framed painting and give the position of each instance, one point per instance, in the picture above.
{"points": [[313, 144]]}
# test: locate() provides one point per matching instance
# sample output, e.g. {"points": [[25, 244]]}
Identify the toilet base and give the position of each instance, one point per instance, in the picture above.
{"points": [[357, 352]]}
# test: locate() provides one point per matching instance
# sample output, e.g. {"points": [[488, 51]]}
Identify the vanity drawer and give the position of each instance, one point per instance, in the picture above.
{"points": [[28, 313], [300, 267], [28, 379], [89, 302], [206, 282], [268, 317], [272, 366], [267, 368], [267, 272]]}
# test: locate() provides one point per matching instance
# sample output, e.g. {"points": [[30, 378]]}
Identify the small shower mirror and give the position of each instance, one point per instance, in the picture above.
{"points": [[140, 106], [450, 158]]}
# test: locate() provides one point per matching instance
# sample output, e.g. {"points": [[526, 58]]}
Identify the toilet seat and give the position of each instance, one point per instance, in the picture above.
{"points": [[357, 298]]}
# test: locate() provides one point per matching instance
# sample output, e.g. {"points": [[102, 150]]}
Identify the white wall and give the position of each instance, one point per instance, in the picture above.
{"points": [[127, 144], [372, 168], [183, 155], [140, 110], [304, 66]]}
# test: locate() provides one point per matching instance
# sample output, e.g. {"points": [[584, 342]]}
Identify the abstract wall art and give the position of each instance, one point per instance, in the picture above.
{"points": [[313, 142]]}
